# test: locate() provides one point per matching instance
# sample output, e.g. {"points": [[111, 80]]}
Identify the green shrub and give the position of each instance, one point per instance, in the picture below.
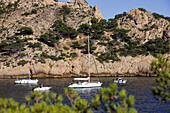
{"points": [[35, 5], [161, 68], [25, 31], [64, 30], [34, 11], [84, 28], [73, 55], [22, 62], [157, 16], [50, 38], [34, 45], [65, 10], [118, 16], [25, 14], [130, 17], [112, 24], [66, 48], [76, 45], [94, 20], [154, 26], [142, 9], [42, 61], [102, 43]]}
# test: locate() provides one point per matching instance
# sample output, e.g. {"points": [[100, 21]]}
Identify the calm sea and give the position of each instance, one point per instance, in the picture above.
{"points": [[140, 87]]}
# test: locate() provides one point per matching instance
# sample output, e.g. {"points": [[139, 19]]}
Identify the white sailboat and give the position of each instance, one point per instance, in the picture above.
{"points": [[120, 81], [86, 83], [28, 80], [41, 88]]}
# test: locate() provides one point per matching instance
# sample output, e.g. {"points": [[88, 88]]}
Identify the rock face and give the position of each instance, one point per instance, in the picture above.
{"points": [[144, 25], [97, 12], [128, 66], [48, 11], [141, 24]]}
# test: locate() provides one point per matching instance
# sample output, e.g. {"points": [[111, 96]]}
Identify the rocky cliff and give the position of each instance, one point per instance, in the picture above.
{"points": [[144, 25], [54, 33]]}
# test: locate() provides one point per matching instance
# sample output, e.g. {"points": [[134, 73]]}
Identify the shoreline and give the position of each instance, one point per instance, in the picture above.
{"points": [[71, 75]]}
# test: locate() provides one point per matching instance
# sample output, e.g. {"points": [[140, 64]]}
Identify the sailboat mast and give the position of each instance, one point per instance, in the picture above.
{"points": [[89, 56], [29, 63], [34, 67]]}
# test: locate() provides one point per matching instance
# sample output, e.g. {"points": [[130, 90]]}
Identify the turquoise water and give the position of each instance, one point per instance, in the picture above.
{"points": [[140, 87]]}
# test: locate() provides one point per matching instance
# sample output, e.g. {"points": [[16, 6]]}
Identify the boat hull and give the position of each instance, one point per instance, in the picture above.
{"points": [[85, 85], [42, 88], [24, 81], [120, 82]]}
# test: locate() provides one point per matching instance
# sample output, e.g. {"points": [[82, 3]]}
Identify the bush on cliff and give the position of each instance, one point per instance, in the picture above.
{"points": [[12, 45], [84, 28], [64, 30], [64, 10], [25, 31]]}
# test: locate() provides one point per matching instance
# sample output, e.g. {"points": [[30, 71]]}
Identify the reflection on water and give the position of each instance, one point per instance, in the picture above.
{"points": [[140, 87], [35, 84], [86, 90], [85, 93]]}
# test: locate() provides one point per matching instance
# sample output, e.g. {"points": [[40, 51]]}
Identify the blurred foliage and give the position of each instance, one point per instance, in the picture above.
{"points": [[161, 67], [109, 100]]}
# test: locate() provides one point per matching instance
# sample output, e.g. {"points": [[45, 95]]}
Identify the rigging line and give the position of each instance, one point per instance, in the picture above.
{"points": [[34, 67], [89, 56], [29, 64], [96, 68]]}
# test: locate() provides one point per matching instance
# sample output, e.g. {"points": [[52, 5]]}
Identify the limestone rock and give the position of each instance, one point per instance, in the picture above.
{"points": [[97, 12], [141, 24]]}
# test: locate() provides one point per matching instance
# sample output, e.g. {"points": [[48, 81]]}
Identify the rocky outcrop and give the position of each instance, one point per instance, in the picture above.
{"points": [[48, 11], [97, 12], [128, 66], [141, 25]]}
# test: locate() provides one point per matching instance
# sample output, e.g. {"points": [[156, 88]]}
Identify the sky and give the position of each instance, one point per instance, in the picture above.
{"points": [[109, 8]]}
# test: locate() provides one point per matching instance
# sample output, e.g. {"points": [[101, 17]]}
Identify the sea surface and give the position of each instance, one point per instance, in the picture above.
{"points": [[140, 87]]}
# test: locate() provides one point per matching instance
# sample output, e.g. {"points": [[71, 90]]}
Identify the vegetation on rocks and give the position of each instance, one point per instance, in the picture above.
{"points": [[128, 34], [121, 44], [142, 9], [65, 10], [158, 16], [12, 45], [8, 8], [64, 30], [25, 31]]}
